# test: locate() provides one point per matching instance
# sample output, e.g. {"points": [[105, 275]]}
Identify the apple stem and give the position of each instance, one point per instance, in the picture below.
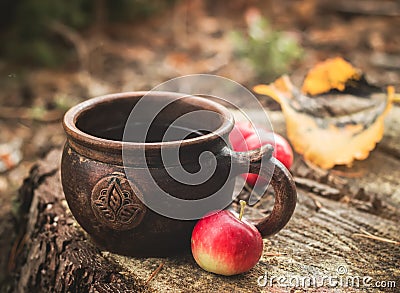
{"points": [[242, 206]]}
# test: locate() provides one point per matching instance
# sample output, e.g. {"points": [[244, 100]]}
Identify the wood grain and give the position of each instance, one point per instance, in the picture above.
{"points": [[320, 239]]}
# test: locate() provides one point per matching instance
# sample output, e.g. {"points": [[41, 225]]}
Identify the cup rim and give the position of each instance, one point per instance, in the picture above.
{"points": [[91, 141]]}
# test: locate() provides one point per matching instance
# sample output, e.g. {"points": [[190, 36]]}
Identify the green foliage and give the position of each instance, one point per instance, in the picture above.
{"points": [[27, 24], [30, 39], [33, 17], [128, 10], [270, 52]]}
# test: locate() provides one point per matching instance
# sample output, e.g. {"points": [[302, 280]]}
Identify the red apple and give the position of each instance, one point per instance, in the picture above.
{"points": [[240, 132], [226, 245], [282, 150]]}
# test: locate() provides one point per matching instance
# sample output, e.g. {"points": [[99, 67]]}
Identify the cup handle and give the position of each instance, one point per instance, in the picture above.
{"points": [[261, 162]]}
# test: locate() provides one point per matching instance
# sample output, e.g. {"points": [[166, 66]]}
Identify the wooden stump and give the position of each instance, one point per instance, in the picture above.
{"points": [[328, 237]]}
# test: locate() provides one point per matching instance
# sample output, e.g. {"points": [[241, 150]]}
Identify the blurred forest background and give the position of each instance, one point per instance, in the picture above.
{"points": [[54, 54]]}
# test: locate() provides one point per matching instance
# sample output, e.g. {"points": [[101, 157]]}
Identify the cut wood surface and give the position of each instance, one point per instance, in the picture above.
{"points": [[345, 227]]}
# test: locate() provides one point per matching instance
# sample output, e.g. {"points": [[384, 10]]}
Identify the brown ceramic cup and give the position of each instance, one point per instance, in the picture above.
{"points": [[112, 181]]}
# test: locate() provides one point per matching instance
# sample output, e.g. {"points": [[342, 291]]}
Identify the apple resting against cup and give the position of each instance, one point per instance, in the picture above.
{"points": [[225, 244], [245, 137], [221, 242]]}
